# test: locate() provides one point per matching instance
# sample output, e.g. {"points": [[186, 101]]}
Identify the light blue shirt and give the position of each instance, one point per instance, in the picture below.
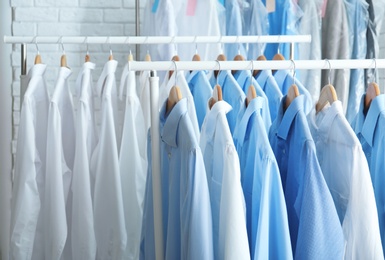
{"points": [[284, 20], [267, 222], [358, 19], [255, 22], [268, 84], [234, 28], [201, 90], [232, 93], [185, 195], [285, 79], [315, 229], [370, 130], [245, 80]]}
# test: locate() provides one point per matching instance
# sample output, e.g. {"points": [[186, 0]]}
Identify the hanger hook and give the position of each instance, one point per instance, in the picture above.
{"points": [[330, 71], [279, 44], [221, 43], [375, 69], [175, 47], [239, 45], [219, 68], [37, 47], [293, 70], [252, 71], [176, 71], [86, 40], [61, 43], [109, 43], [196, 45]]}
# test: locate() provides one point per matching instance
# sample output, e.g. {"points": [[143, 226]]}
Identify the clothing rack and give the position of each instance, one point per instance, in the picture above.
{"points": [[188, 65]]}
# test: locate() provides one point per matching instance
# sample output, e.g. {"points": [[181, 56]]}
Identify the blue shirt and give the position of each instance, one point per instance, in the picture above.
{"points": [[201, 91], [268, 84], [267, 223], [232, 93], [245, 80], [315, 229], [283, 21], [370, 131], [358, 19], [285, 79], [234, 27], [186, 209]]}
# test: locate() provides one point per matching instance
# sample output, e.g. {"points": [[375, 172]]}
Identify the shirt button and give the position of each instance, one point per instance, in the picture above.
{"points": [[169, 155]]}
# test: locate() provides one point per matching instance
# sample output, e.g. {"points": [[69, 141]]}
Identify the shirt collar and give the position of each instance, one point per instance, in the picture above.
{"points": [[222, 76], [108, 69], [287, 117], [328, 113], [263, 76], [64, 72], [191, 75], [37, 70], [212, 114], [242, 76], [280, 76], [128, 87], [87, 66], [171, 121], [376, 107], [360, 118], [254, 106]]}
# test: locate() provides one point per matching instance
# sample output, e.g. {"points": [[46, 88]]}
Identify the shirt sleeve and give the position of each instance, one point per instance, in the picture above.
{"points": [[196, 220]]}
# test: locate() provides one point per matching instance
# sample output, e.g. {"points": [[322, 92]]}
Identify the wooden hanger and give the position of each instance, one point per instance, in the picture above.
{"points": [[278, 56], [291, 95], [130, 57], [371, 93], [196, 57], [174, 97], [251, 94], [87, 58], [174, 58], [111, 57], [237, 57], [256, 72], [327, 96], [63, 61], [147, 57], [38, 59], [217, 96]]}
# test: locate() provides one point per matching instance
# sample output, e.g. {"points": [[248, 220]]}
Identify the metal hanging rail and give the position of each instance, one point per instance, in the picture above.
{"points": [[155, 39]]}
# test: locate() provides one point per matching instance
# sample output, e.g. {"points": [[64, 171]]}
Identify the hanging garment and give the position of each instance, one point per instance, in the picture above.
{"points": [[234, 28], [347, 175], [187, 210], [201, 91], [369, 130], [358, 19], [144, 97], [311, 25], [285, 79], [273, 93], [315, 229], [267, 223], [133, 163], [335, 45], [82, 229], [285, 20], [160, 21], [110, 230], [181, 82], [223, 177], [27, 227], [255, 22], [197, 17], [376, 11], [60, 159], [245, 80], [232, 94]]}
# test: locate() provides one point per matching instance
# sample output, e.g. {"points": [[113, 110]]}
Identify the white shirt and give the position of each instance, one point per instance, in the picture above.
{"points": [[346, 173], [28, 190], [110, 229], [181, 82], [133, 163], [224, 180], [60, 158], [82, 229]]}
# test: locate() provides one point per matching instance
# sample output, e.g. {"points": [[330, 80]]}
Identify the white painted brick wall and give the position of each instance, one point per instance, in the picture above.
{"points": [[69, 18]]}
